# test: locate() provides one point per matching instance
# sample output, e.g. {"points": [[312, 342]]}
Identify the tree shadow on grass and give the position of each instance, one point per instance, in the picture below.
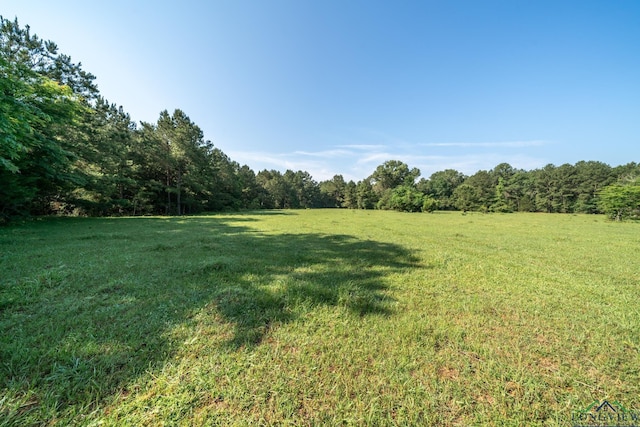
{"points": [[94, 309], [275, 277]]}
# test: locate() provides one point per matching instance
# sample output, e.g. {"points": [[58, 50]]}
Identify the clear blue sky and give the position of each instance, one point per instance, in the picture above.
{"points": [[338, 87]]}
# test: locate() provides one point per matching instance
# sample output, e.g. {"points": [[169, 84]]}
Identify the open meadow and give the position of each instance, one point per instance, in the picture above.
{"points": [[318, 317]]}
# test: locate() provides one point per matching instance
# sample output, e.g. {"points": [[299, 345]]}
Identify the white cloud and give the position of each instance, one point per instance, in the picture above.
{"points": [[322, 168], [374, 157], [503, 144], [401, 156], [365, 147], [326, 153], [360, 160], [469, 164]]}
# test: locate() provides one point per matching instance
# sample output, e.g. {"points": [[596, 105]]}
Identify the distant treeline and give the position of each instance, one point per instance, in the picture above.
{"points": [[66, 150]]}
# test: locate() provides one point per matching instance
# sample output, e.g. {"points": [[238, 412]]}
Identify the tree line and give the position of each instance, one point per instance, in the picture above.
{"points": [[67, 150], [586, 187]]}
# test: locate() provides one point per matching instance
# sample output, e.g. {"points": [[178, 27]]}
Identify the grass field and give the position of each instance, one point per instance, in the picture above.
{"points": [[318, 317]]}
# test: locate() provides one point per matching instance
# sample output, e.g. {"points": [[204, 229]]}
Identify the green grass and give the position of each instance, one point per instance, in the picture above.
{"points": [[318, 317]]}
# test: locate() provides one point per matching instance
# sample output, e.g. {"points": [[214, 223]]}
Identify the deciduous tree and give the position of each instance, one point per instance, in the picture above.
{"points": [[42, 96], [620, 201]]}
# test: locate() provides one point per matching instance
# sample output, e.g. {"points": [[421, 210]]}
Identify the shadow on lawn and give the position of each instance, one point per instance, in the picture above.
{"points": [[83, 333], [285, 274]]}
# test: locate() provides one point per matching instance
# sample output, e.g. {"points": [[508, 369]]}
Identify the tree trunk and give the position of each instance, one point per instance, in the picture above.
{"points": [[168, 211], [178, 195]]}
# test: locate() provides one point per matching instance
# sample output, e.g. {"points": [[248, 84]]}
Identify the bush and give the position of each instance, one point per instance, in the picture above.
{"points": [[405, 198], [620, 201], [429, 204]]}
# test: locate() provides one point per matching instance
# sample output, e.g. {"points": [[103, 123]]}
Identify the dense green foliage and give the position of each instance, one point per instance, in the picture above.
{"points": [[620, 201], [317, 317], [42, 95], [66, 150]]}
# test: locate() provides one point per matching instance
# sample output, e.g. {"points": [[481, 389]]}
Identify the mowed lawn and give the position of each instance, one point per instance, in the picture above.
{"points": [[318, 317]]}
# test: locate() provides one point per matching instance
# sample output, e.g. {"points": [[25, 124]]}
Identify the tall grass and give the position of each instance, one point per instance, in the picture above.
{"points": [[318, 317]]}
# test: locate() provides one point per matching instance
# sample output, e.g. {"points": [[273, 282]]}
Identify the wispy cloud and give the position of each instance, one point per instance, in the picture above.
{"points": [[326, 153], [357, 161], [365, 147], [374, 157], [472, 163], [321, 168], [401, 156], [503, 144]]}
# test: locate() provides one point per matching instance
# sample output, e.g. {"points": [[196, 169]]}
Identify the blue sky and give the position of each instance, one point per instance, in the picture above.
{"points": [[339, 87]]}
